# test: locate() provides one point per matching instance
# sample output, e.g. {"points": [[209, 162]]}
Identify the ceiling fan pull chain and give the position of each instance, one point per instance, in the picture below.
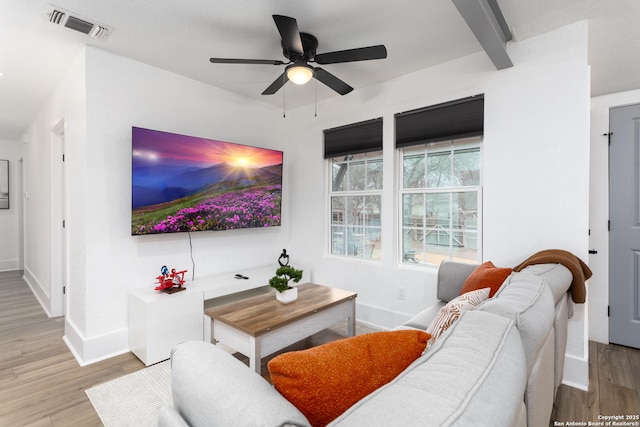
{"points": [[315, 100], [284, 98]]}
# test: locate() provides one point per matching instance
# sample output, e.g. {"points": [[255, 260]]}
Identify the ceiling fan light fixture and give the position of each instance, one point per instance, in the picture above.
{"points": [[299, 73]]}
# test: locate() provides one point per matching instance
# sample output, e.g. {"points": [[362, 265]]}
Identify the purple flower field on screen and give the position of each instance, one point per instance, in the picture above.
{"points": [[255, 207]]}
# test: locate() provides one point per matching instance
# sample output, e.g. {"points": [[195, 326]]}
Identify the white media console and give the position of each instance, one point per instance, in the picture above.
{"points": [[158, 321]]}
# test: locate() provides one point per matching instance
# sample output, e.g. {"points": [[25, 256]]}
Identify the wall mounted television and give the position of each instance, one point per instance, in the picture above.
{"points": [[184, 183]]}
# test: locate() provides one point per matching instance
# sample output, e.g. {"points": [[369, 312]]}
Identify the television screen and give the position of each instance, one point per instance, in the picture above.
{"points": [[183, 183]]}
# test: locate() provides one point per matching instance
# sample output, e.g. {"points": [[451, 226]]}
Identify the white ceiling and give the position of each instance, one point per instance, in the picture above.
{"points": [[181, 36]]}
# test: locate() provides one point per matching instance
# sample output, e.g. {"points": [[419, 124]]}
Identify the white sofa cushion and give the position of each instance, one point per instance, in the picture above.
{"points": [[212, 388], [527, 300]]}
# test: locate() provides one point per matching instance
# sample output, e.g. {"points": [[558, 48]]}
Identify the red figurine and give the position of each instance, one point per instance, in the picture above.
{"points": [[167, 281]]}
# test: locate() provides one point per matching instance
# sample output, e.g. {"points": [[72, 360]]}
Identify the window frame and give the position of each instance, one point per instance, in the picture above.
{"points": [[462, 144], [364, 193]]}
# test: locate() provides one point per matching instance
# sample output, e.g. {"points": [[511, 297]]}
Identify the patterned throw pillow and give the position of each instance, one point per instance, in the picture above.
{"points": [[450, 312]]}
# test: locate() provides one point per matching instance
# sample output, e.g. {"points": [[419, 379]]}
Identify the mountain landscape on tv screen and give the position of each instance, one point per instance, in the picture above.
{"points": [[176, 191]]}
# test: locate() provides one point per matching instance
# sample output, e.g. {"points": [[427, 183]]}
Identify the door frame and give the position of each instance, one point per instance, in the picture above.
{"points": [[58, 249]]}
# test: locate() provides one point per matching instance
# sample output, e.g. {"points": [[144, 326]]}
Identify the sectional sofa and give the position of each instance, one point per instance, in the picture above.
{"points": [[498, 364]]}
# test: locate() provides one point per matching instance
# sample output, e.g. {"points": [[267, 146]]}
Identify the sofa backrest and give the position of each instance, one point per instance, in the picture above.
{"points": [[527, 300], [474, 375], [558, 277], [451, 277]]}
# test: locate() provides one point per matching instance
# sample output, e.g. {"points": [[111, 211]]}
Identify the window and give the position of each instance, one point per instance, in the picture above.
{"points": [[355, 198], [440, 201]]}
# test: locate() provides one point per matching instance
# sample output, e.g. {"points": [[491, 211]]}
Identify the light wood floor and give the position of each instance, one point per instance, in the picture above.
{"points": [[614, 387], [41, 384]]}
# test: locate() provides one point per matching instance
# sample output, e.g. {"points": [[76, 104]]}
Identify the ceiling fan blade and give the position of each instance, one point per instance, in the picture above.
{"points": [[245, 61], [332, 81], [352, 55], [288, 28], [276, 85]]}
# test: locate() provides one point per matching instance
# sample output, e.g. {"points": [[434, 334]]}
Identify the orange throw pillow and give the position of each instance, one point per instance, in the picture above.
{"points": [[486, 275], [324, 381]]}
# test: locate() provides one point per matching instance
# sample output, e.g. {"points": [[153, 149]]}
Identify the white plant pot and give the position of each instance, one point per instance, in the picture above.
{"points": [[285, 297]]}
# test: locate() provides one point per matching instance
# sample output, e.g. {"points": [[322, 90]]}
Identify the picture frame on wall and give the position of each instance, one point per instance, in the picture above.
{"points": [[4, 184]]}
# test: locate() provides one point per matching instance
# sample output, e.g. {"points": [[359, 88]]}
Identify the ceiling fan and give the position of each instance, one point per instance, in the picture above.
{"points": [[300, 49]]}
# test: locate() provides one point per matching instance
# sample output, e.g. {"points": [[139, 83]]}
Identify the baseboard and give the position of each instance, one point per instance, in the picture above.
{"points": [[95, 349], [38, 291], [576, 372], [378, 317]]}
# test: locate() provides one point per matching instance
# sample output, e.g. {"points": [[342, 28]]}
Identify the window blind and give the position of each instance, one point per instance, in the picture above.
{"points": [[461, 118], [355, 138]]}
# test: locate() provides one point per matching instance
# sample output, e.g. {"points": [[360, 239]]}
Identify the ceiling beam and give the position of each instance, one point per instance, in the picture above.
{"points": [[486, 21]]}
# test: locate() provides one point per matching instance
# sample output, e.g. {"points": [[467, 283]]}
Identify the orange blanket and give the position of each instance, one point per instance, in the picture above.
{"points": [[580, 270]]}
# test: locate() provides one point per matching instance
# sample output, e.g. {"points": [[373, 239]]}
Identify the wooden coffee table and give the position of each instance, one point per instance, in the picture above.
{"points": [[261, 325]]}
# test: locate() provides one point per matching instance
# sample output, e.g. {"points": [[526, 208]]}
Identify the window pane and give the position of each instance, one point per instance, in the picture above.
{"points": [[465, 207], [411, 244], [339, 172], [337, 240], [439, 169], [337, 210], [374, 174], [356, 216], [355, 209], [413, 210], [438, 209], [413, 170], [372, 243], [372, 210], [466, 167], [357, 176], [354, 241]]}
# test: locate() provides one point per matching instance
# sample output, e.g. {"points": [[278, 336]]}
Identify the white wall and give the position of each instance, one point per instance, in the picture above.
{"points": [[599, 210], [535, 172], [121, 93], [65, 103], [10, 218]]}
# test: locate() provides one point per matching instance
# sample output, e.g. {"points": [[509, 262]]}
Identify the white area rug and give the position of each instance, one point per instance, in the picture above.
{"points": [[135, 399]]}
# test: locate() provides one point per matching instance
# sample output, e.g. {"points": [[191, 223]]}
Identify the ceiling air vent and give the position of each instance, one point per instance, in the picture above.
{"points": [[73, 21]]}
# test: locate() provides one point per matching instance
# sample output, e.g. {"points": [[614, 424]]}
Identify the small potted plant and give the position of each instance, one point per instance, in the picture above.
{"points": [[280, 282]]}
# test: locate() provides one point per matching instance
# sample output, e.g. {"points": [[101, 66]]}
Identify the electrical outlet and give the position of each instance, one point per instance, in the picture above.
{"points": [[400, 290]]}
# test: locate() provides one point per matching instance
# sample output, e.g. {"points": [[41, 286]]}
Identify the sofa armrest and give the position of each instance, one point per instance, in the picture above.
{"points": [[423, 319], [212, 388], [451, 277]]}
